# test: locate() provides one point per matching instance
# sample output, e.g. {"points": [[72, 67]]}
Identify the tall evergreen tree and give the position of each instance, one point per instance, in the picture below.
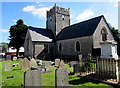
{"points": [[17, 35]]}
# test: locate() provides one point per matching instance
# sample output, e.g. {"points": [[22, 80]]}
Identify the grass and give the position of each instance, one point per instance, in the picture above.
{"points": [[48, 79]]}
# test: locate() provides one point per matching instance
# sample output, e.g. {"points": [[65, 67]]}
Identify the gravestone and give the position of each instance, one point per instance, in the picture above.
{"points": [[25, 64], [7, 67], [80, 57], [57, 61], [61, 77], [8, 57], [14, 58], [33, 78], [33, 63], [62, 64], [48, 69], [47, 63], [72, 63], [76, 68]]}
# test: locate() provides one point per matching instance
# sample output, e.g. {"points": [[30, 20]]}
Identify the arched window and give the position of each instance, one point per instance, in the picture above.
{"points": [[77, 46], [60, 47], [104, 34], [27, 44]]}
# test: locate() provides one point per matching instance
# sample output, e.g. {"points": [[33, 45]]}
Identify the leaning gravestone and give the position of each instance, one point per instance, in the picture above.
{"points": [[8, 57], [57, 61], [33, 63], [33, 78], [7, 67], [25, 64], [47, 63], [76, 68], [61, 77]]}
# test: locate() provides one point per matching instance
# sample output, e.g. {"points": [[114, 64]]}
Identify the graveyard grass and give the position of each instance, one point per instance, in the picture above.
{"points": [[48, 79]]}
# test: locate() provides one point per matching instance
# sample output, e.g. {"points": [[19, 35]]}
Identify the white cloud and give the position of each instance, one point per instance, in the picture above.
{"points": [[40, 12], [29, 8], [86, 14], [14, 20], [4, 30]]}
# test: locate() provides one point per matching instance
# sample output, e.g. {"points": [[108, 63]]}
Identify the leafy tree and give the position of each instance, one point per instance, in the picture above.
{"points": [[116, 35], [4, 47], [17, 35]]}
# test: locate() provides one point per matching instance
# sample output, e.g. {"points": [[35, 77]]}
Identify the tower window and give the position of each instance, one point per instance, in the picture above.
{"points": [[60, 47], [104, 35], [77, 46], [63, 16], [50, 18]]}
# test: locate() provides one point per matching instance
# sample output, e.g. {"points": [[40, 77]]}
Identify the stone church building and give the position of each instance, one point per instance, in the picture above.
{"points": [[62, 40]]}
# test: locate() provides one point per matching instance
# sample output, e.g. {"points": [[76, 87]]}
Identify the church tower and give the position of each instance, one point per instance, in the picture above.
{"points": [[57, 19]]}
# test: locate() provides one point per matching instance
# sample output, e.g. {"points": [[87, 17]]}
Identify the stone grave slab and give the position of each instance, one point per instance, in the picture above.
{"points": [[57, 61], [33, 78]]}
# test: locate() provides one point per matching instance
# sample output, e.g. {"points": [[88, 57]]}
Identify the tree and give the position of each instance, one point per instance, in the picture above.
{"points": [[116, 35], [4, 47], [17, 35]]}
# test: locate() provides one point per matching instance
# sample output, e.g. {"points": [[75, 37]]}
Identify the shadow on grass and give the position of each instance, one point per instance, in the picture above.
{"points": [[81, 80], [16, 69]]}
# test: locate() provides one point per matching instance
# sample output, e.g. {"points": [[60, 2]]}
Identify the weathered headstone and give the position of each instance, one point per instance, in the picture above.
{"points": [[80, 57], [48, 69], [62, 64], [8, 57], [33, 63], [33, 78], [14, 58], [76, 68], [25, 64], [7, 67], [61, 77], [47, 63], [72, 63], [57, 61]]}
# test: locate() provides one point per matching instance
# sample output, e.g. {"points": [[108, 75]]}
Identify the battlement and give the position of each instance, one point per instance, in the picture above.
{"points": [[59, 10]]}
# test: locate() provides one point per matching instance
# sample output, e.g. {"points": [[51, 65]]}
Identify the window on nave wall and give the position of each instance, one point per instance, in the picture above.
{"points": [[77, 46], [60, 47]]}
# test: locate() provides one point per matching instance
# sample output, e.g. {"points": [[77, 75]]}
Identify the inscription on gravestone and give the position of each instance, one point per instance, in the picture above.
{"points": [[25, 64], [33, 78], [61, 77], [7, 67]]}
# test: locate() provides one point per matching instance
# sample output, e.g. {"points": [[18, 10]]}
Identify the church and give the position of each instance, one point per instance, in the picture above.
{"points": [[65, 41]]}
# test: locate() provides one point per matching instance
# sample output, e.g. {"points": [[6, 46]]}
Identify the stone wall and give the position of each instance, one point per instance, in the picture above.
{"points": [[97, 36], [69, 47]]}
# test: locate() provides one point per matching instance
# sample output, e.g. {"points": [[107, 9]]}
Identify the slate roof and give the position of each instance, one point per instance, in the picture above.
{"points": [[39, 34], [84, 28]]}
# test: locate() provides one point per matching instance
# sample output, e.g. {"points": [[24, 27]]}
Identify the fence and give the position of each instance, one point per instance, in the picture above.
{"points": [[105, 69]]}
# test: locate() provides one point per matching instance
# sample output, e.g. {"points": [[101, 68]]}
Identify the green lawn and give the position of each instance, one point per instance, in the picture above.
{"points": [[48, 79]]}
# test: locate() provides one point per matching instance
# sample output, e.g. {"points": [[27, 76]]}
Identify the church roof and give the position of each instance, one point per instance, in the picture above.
{"points": [[40, 34], [81, 29]]}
